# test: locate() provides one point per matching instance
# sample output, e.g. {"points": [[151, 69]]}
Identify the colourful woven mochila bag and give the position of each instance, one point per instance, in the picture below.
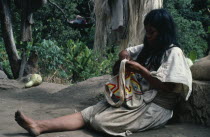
{"points": [[123, 89]]}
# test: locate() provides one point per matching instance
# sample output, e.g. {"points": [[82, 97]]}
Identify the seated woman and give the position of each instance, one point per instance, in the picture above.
{"points": [[161, 70]]}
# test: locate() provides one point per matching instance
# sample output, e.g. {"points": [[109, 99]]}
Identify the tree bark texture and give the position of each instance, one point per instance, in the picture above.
{"points": [[133, 32], [8, 37], [32, 64], [102, 21]]}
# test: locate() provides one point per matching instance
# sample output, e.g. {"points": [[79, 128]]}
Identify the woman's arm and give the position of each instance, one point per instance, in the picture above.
{"points": [[154, 82]]}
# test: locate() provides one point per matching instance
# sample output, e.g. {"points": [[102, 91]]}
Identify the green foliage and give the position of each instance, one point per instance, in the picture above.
{"points": [[50, 35], [50, 22], [193, 55], [77, 57], [99, 65], [209, 29], [49, 56], [82, 63], [73, 62], [191, 33], [4, 62]]}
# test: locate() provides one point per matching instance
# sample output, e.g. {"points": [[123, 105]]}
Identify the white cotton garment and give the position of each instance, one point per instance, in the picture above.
{"points": [[175, 69]]}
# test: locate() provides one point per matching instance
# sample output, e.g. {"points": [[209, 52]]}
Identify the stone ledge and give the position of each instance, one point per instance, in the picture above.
{"points": [[197, 108]]}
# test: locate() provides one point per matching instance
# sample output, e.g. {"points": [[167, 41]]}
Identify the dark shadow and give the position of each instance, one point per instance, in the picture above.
{"points": [[16, 134], [94, 133], [80, 26]]}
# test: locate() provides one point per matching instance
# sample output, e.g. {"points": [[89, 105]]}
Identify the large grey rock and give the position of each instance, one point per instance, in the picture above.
{"points": [[197, 108], [2, 75], [201, 69]]}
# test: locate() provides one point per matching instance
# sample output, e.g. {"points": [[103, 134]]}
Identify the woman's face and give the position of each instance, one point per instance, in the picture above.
{"points": [[151, 35]]}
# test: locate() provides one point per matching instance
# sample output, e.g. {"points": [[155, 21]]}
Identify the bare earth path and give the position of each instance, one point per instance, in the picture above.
{"points": [[50, 100]]}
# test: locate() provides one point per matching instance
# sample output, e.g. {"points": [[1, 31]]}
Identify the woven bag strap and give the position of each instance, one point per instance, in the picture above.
{"points": [[121, 87]]}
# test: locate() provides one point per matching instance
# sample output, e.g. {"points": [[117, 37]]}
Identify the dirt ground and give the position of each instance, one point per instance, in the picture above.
{"points": [[50, 100]]}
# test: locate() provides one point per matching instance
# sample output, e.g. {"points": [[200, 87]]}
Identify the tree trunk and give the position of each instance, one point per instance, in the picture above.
{"points": [[102, 21], [32, 64], [8, 37], [130, 33]]}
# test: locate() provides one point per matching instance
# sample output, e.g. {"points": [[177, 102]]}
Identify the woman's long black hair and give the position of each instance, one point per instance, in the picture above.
{"points": [[161, 20]]}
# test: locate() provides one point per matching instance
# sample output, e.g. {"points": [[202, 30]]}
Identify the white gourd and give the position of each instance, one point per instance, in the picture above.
{"points": [[35, 80]]}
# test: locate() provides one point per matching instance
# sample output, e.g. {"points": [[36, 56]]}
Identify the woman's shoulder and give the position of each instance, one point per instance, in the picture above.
{"points": [[174, 53], [174, 50]]}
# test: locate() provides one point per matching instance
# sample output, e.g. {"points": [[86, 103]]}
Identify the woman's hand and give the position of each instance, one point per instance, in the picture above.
{"points": [[134, 66]]}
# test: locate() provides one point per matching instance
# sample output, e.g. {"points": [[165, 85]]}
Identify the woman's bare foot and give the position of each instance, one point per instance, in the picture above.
{"points": [[27, 123]]}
